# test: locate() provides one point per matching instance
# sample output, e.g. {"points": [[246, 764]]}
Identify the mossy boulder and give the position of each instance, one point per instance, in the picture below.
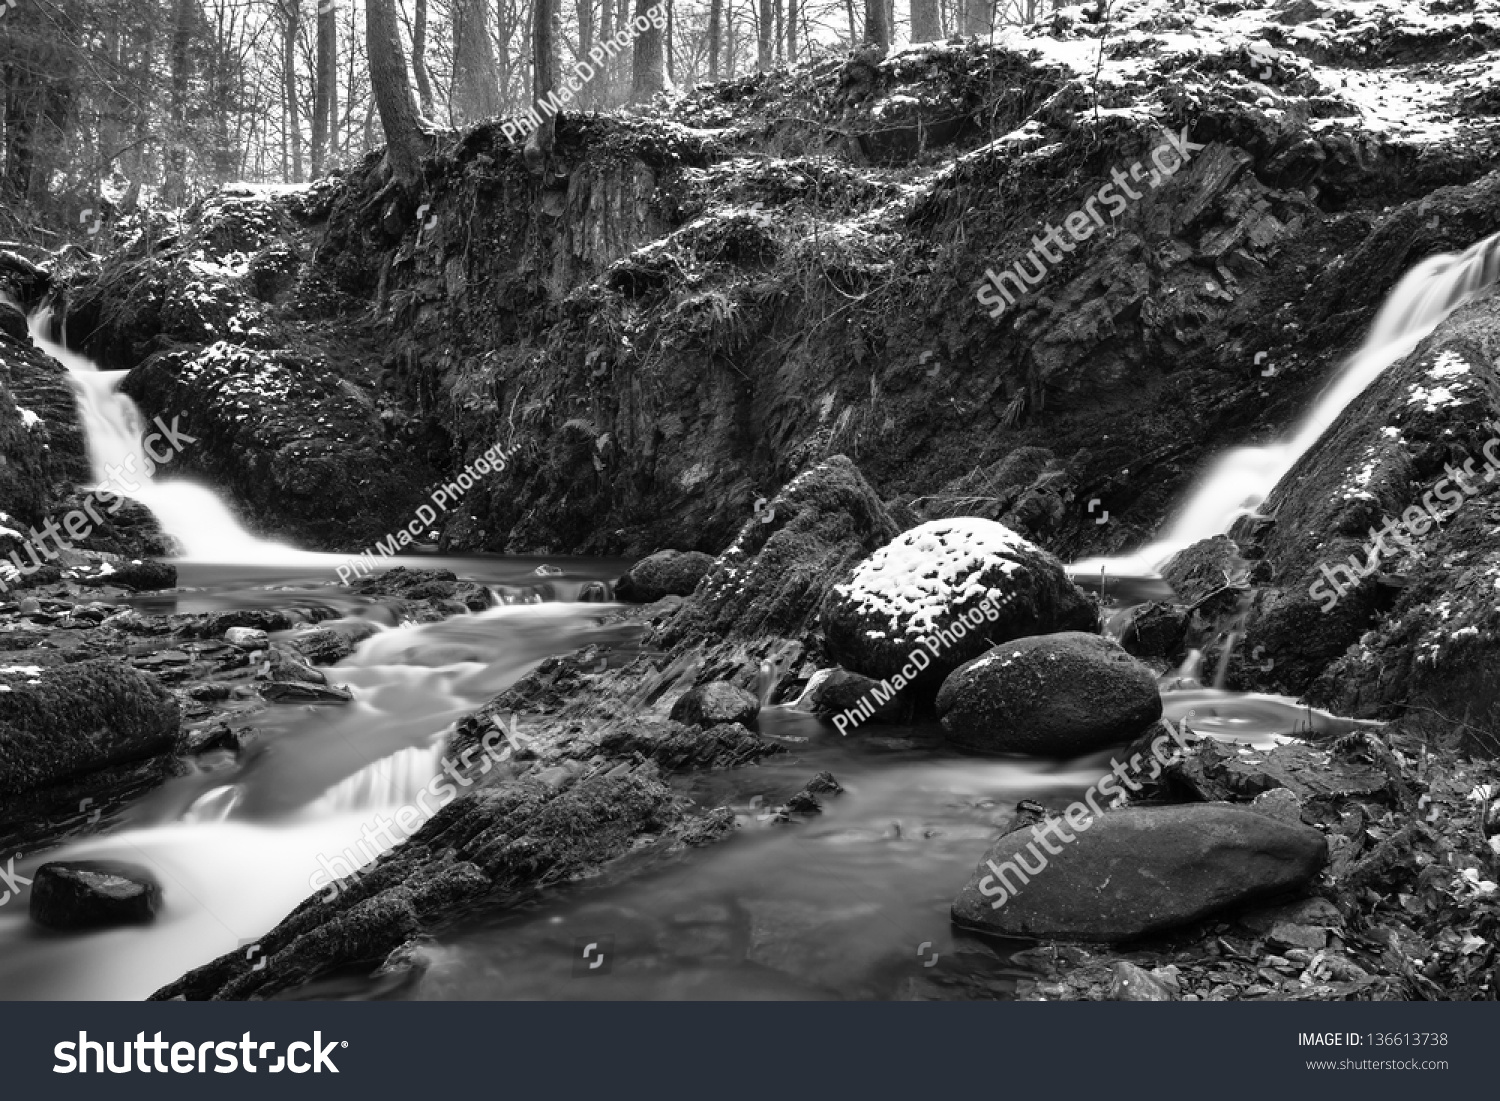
{"points": [[73, 719]]}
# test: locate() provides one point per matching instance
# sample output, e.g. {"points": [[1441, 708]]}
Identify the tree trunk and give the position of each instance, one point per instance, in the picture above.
{"points": [[404, 141], [293, 116], [776, 8], [589, 98], [545, 36], [174, 187], [603, 81], [877, 29], [419, 59], [853, 31], [763, 37], [715, 32], [671, 35], [977, 17], [926, 21], [793, 13], [476, 77], [650, 69], [325, 102]]}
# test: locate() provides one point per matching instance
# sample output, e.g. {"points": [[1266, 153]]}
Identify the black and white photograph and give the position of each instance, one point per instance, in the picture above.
{"points": [[749, 501]]}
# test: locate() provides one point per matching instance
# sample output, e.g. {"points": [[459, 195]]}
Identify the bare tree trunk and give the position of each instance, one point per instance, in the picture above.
{"points": [[174, 187], [325, 102], [544, 65], [853, 31], [671, 35], [715, 32], [792, 15], [776, 8], [419, 58], [404, 140], [603, 81], [977, 17], [590, 96], [763, 37], [293, 10], [650, 69], [926, 21], [877, 29], [476, 77]]}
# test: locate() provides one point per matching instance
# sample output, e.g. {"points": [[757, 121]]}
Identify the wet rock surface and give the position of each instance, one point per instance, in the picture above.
{"points": [[74, 895], [1060, 695]]}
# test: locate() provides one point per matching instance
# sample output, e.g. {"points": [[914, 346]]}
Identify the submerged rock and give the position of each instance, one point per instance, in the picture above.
{"points": [[93, 894], [944, 593], [77, 718], [1055, 695], [714, 703], [1134, 872], [665, 573]]}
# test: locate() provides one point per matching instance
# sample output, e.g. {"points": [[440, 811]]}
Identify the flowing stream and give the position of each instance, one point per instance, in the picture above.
{"points": [[851, 905]]}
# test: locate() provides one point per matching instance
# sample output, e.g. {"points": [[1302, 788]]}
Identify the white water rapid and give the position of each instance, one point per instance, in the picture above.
{"points": [[114, 428], [1242, 478]]}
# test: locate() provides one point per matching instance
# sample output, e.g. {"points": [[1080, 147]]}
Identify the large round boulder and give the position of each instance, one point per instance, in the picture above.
{"points": [[1051, 695], [942, 594], [1129, 873], [93, 894], [665, 573]]}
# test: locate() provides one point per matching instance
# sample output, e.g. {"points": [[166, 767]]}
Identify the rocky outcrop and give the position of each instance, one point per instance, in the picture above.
{"points": [[780, 571], [1059, 695], [1134, 872], [62, 721], [948, 591], [93, 894]]}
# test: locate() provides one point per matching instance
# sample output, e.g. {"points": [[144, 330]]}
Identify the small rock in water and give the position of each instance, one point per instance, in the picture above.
{"points": [[247, 638], [714, 703], [1134, 984], [93, 894]]}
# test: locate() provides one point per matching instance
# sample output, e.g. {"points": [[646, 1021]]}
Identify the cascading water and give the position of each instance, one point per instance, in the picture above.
{"points": [[114, 428], [236, 850], [1242, 478]]}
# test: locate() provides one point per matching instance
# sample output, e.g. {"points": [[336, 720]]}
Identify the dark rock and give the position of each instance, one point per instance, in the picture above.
{"points": [[142, 575], [1134, 872], [327, 645], [834, 691], [944, 593], [93, 894], [677, 748], [1056, 695], [665, 573], [78, 718], [715, 703], [1154, 630], [777, 575]]}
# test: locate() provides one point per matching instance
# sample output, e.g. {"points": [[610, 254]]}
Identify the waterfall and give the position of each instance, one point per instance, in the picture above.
{"points": [[1242, 478], [193, 514]]}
